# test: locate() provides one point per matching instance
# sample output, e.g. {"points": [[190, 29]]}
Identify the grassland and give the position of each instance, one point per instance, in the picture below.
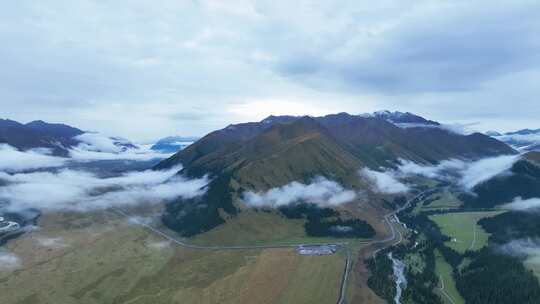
{"points": [[260, 228], [444, 272], [101, 258], [442, 201], [463, 229]]}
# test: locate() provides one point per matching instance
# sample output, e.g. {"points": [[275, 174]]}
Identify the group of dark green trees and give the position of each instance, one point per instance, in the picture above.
{"points": [[491, 275]]}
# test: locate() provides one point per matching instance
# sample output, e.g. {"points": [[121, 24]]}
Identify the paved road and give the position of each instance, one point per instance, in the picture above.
{"points": [[345, 279], [444, 291], [473, 243], [395, 233], [203, 247]]}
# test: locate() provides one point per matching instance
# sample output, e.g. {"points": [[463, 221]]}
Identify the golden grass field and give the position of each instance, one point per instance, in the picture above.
{"points": [[101, 258]]}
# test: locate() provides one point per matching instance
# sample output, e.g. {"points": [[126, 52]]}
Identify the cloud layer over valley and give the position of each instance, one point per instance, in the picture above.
{"points": [[468, 173], [384, 182], [12, 160], [320, 191], [96, 146], [524, 205], [93, 147], [82, 191]]}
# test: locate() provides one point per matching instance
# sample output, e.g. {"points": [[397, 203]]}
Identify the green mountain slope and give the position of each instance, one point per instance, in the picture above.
{"points": [[523, 181]]}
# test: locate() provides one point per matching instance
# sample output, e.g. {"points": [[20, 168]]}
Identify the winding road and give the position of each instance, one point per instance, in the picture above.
{"points": [[395, 233]]}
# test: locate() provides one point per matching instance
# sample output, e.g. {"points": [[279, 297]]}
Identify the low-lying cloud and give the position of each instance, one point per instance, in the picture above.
{"points": [[9, 260], [13, 160], [529, 247], [52, 242], [95, 146], [320, 191], [468, 173], [520, 204], [487, 168], [82, 191], [520, 140], [442, 169], [384, 182]]}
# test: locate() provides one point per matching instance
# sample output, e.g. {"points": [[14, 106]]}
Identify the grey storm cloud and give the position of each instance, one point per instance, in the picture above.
{"points": [[179, 66]]}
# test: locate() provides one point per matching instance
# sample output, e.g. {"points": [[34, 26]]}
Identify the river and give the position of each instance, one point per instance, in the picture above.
{"points": [[399, 275]]}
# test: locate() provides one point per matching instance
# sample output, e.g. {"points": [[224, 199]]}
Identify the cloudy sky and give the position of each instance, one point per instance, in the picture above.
{"points": [[145, 69]]}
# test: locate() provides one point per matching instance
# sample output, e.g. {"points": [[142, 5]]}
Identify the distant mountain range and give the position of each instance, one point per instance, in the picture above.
{"points": [[523, 140], [39, 134], [57, 138], [281, 149]]}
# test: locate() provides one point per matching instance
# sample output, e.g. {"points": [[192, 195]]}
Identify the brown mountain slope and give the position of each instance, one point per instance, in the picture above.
{"points": [[277, 151]]}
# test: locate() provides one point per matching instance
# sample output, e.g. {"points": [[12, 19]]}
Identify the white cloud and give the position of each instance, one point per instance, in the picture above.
{"points": [[528, 246], [95, 146], [159, 245], [532, 138], [99, 143], [384, 182], [320, 191], [79, 154], [8, 260], [484, 169], [82, 191], [12, 160], [433, 171], [460, 129], [520, 140], [56, 242], [520, 204], [467, 173]]}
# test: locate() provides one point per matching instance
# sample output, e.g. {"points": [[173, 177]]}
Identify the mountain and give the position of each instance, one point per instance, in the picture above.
{"points": [[493, 133], [523, 140], [173, 144], [278, 150], [38, 134], [523, 181], [54, 129]]}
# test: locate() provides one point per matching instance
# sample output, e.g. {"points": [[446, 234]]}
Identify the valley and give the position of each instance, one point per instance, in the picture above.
{"points": [[286, 210], [269, 152]]}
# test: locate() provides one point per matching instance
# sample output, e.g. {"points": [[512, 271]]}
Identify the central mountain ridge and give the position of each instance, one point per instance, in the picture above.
{"points": [[258, 156]]}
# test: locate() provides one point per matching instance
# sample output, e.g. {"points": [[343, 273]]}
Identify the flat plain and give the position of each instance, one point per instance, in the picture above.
{"points": [[463, 229], [103, 258]]}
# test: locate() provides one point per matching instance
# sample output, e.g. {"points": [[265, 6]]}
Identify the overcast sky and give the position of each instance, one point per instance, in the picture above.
{"points": [[146, 69]]}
